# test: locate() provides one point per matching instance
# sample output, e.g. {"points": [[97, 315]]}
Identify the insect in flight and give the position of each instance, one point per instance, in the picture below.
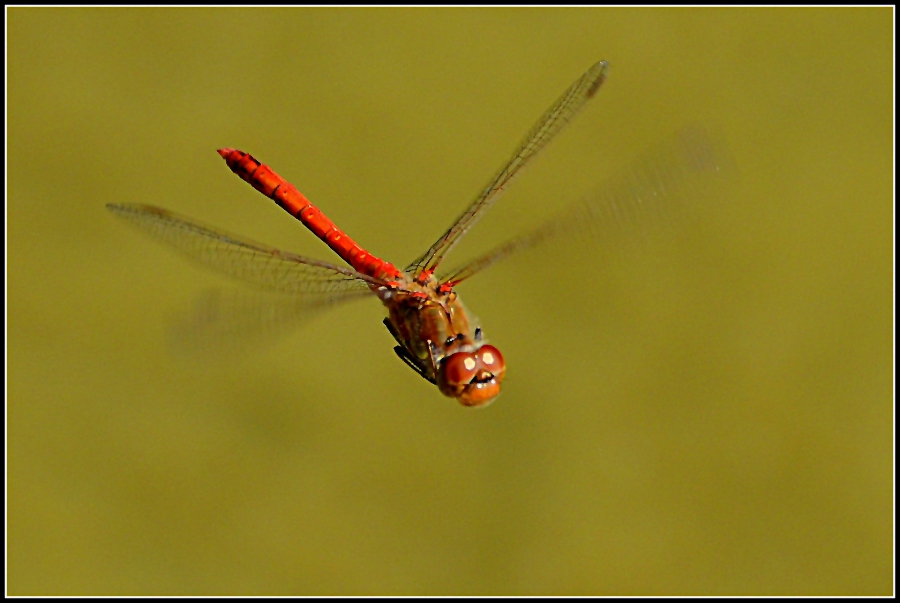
{"points": [[432, 328]]}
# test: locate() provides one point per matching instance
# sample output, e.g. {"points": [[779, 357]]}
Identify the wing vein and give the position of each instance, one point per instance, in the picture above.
{"points": [[242, 258], [546, 128]]}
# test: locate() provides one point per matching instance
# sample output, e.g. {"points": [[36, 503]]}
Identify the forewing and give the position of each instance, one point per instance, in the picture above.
{"points": [[546, 128], [242, 258]]}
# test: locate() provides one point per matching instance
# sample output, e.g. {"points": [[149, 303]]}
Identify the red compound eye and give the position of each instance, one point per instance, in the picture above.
{"points": [[491, 359], [459, 368]]}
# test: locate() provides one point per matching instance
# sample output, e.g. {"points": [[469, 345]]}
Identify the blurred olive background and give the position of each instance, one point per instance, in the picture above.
{"points": [[713, 416]]}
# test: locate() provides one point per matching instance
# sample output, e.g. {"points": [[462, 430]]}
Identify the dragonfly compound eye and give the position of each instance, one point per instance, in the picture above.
{"points": [[491, 360], [458, 370], [473, 379]]}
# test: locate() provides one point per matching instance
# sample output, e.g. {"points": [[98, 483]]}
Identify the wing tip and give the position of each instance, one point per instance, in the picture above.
{"points": [[602, 72]]}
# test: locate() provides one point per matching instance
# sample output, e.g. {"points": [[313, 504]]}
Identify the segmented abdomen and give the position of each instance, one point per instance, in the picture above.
{"points": [[265, 180]]}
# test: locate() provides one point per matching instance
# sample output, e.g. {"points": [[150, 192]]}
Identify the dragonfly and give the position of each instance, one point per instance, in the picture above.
{"points": [[435, 334]]}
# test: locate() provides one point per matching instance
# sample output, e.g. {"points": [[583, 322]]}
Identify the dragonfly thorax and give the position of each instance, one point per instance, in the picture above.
{"points": [[438, 340]]}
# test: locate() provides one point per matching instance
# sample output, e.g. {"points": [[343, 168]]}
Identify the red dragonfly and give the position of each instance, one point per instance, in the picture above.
{"points": [[432, 328]]}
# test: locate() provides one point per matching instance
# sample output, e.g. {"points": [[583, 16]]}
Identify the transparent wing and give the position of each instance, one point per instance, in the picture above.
{"points": [[546, 128], [230, 321], [629, 202], [242, 258]]}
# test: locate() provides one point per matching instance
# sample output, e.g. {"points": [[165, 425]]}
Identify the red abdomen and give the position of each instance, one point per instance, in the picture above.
{"points": [[265, 180]]}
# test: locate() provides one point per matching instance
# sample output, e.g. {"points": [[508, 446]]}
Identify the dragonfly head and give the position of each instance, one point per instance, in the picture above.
{"points": [[473, 378]]}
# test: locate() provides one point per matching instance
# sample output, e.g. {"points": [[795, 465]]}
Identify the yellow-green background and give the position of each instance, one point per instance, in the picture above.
{"points": [[711, 417]]}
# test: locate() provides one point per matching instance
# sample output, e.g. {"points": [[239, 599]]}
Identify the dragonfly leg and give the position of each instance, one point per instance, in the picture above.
{"points": [[403, 354], [432, 356], [392, 331]]}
